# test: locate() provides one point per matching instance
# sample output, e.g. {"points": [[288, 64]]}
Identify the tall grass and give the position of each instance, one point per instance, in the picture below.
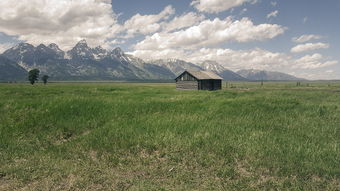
{"points": [[118, 136]]}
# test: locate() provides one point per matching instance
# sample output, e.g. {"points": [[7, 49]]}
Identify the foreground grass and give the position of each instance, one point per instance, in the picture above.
{"points": [[151, 137]]}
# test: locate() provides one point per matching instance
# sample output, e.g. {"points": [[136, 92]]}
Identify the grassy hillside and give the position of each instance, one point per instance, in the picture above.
{"points": [[112, 136]]}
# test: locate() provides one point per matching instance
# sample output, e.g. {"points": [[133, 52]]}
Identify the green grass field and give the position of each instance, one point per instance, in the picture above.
{"points": [[121, 136]]}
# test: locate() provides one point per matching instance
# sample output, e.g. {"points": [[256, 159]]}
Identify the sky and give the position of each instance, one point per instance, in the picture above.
{"points": [[299, 37]]}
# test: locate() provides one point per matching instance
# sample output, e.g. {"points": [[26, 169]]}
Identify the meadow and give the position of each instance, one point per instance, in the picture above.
{"points": [[138, 136]]}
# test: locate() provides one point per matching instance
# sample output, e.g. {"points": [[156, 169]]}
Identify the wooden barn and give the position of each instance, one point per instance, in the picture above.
{"points": [[198, 80]]}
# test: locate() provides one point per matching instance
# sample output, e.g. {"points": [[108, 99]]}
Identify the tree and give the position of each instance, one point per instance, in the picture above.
{"points": [[33, 76], [45, 78]]}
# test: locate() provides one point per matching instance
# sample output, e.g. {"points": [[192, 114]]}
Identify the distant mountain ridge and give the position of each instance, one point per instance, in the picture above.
{"points": [[85, 63], [258, 75], [226, 74], [176, 66]]}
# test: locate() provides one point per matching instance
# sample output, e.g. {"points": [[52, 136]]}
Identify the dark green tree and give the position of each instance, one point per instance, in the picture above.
{"points": [[33, 76], [45, 78]]}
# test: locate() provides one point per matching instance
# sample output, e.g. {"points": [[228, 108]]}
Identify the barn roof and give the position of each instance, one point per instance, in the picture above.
{"points": [[203, 75]]}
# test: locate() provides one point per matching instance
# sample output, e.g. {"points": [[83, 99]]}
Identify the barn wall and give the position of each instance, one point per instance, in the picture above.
{"points": [[210, 84], [187, 85], [217, 84], [205, 85]]}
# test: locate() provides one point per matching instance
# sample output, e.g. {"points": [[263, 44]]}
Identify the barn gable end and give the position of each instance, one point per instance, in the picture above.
{"points": [[198, 80]]}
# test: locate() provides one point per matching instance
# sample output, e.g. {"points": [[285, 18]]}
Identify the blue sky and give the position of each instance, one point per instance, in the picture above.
{"points": [[255, 34]]}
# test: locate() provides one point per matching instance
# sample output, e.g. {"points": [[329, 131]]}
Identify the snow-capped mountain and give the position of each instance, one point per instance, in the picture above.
{"points": [[81, 51], [213, 66], [221, 71], [176, 66], [85, 63]]}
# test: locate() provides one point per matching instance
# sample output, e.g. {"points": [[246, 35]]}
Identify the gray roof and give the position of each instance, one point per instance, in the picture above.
{"points": [[204, 75]]}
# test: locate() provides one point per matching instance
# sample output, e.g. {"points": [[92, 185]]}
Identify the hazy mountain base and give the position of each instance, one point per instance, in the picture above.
{"points": [[9, 70], [152, 137], [259, 75]]}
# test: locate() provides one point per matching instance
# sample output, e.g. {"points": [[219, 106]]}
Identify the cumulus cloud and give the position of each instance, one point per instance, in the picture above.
{"points": [[243, 11], [216, 6], [273, 14], [147, 24], [306, 38], [211, 32], [117, 42], [239, 59], [309, 47], [273, 3], [314, 61], [304, 20], [183, 21], [60, 21], [231, 59]]}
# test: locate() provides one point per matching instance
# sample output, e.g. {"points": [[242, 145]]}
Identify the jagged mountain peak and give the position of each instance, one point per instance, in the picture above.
{"points": [[176, 66], [81, 50], [42, 46], [212, 65], [84, 62], [99, 48], [23, 46], [81, 45], [117, 51], [54, 46], [83, 41], [99, 52]]}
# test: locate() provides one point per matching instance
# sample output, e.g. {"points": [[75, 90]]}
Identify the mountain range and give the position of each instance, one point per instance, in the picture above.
{"points": [[259, 75], [85, 63]]}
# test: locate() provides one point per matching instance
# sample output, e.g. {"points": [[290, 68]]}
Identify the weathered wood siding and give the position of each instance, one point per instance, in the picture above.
{"points": [[187, 81], [187, 85]]}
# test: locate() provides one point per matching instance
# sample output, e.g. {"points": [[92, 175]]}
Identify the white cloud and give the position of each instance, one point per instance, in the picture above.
{"points": [[211, 32], [239, 59], [306, 38], [5, 46], [231, 59], [304, 20], [314, 61], [243, 11], [216, 6], [147, 24], [273, 14], [60, 21], [117, 42], [309, 47], [183, 21]]}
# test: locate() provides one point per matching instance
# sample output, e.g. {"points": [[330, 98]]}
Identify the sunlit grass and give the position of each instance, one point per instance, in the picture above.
{"points": [[122, 136]]}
